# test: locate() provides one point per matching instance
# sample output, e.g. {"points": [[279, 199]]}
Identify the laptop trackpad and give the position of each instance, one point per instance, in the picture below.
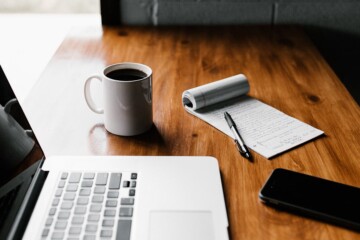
{"points": [[181, 225]]}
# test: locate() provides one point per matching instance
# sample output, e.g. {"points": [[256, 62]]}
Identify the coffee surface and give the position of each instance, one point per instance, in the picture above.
{"points": [[126, 74]]}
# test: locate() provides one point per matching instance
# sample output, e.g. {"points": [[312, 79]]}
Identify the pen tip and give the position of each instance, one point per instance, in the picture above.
{"points": [[248, 156]]}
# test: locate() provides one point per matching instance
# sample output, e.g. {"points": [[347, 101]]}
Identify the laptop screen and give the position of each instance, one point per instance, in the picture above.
{"points": [[20, 155], [18, 146]]}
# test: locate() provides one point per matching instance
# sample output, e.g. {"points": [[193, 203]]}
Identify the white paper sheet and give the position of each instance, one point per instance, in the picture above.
{"points": [[264, 129]]}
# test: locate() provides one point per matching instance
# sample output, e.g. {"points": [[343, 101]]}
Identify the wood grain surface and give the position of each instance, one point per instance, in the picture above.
{"points": [[284, 70]]}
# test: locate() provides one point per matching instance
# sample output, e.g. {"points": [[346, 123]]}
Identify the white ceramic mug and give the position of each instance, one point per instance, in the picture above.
{"points": [[127, 103]]}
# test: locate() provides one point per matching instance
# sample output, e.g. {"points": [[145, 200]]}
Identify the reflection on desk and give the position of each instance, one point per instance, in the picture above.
{"points": [[286, 70]]}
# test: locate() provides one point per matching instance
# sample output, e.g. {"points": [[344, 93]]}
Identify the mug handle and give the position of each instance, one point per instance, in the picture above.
{"points": [[87, 93], [7, 109], [8, 105]]}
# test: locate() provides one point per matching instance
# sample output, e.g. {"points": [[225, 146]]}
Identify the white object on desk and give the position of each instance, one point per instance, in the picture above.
{"points": [[264, 129]]}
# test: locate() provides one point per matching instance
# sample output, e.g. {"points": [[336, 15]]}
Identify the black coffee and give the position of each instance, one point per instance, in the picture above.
{"points": [[126, 74]]}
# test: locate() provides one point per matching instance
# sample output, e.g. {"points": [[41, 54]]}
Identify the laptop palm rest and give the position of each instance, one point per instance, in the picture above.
{"points": [[180, 225]]}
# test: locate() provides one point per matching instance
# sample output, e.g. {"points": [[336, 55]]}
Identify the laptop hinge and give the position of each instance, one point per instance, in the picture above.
{"points": [[27, 206]]}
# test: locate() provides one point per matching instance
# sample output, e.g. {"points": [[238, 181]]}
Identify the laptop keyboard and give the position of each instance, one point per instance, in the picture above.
{"points": [[92, 206]]}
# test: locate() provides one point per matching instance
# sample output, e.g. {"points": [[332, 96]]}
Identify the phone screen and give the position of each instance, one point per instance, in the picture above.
{"points": [[328, 200]]}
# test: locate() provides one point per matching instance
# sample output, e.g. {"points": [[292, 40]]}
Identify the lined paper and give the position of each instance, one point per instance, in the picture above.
{"points": [[264, 129]]}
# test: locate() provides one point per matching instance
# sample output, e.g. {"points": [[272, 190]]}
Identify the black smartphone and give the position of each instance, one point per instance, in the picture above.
{"points": [[314, 197]]}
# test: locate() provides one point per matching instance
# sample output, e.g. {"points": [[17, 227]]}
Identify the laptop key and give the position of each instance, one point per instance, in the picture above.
{"points": [[99, 189], [134, 176], [72, 188], [49, 221], [82, 201], [111, 203], [95, 208], [127, 201], [52, 211], [123, 229], [109, 213], [93, 217], [87, 184], [115, 179], [64, 175], [74, 177], [67, 205], [132, 192], [89, 175], [64, 215], [85, 192], [91, 228], [106, 233], [60, 225], [89, 237], [61, 184], [113, 194], [69, 196], [55, 202], [126, 184], [58, 192], [45, 232], [97, 199], [126, 212], [57, 235], [101, 179], [78, 220], [80, 210], [75, 230], [108, 223]]}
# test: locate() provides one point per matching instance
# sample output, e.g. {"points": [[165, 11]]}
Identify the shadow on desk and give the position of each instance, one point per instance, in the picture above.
{"points": [[102, 142]]}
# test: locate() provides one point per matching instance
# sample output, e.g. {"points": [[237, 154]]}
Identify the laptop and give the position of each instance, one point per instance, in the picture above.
{"points": [[110, 197]]}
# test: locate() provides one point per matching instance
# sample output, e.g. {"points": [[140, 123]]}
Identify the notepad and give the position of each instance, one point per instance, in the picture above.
{"points": [[264, 129]]}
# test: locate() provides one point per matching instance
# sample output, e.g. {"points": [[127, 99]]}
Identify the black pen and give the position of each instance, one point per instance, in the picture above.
{"points": [[240, 144]]}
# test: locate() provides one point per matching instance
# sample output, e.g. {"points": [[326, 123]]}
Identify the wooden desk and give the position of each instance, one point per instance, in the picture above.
{"points": [[284, 70]]}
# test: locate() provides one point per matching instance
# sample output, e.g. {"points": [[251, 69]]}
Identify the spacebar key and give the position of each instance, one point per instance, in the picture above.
{"points": [[123, 229]]}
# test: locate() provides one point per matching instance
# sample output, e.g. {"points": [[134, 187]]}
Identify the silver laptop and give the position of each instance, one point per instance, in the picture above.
{"points": [[111, 197]]}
